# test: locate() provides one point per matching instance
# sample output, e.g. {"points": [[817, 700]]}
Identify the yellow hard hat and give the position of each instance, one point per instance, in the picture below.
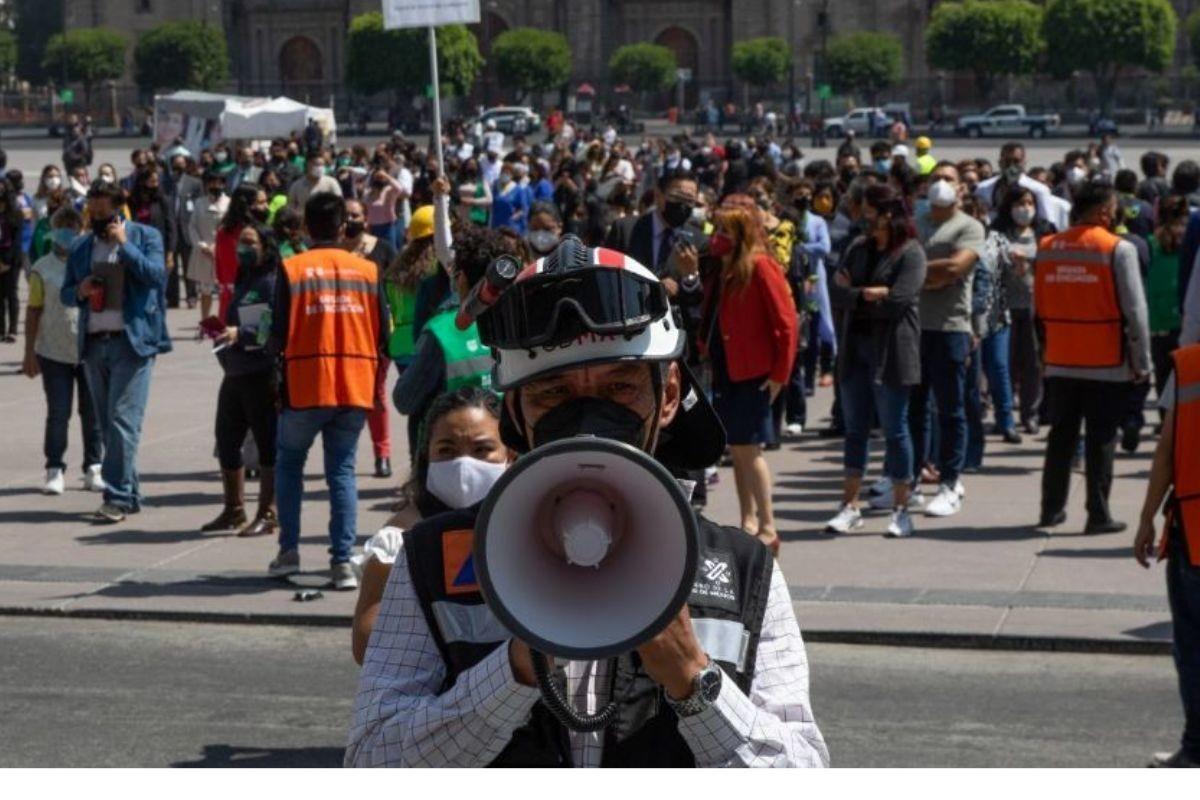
{"points": [[421, 224], [924, 143]]}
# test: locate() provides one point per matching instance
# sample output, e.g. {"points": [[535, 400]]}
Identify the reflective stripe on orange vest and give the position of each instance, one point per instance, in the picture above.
{"points": [[1075, 297], [333, 330], [1187, 452]]}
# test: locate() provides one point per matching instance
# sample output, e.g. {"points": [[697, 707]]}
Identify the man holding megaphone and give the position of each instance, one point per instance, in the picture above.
{"points": [[582, 615]]}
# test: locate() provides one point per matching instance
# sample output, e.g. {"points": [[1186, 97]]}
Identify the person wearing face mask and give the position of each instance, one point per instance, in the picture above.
{"points": [[545, 229], [314, 182], [247, 206], [380, 251], [148, 205], [652, 238], [474, 193], [108, 174], [43, 242], [808, 277], [117, 277], [876, 290], [447, 358], [1090, 302], [633, 389], [401, 281], [459, 458], [249, 389], [50, 181], [748, 330], [510, 202], [52, 351], [991, 192], [203, 223], [953, 242]]}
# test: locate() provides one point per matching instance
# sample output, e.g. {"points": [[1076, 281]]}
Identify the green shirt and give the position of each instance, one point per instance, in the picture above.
{"points": [[1162, 289], [468, 362]]}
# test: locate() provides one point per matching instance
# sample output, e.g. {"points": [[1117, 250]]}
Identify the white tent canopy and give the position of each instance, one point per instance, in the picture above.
{"points": [[202, 118]]}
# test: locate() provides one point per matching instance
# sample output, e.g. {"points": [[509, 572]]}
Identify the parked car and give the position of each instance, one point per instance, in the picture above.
{"points": [[513, 119], [1010, 120], [858, 120]]}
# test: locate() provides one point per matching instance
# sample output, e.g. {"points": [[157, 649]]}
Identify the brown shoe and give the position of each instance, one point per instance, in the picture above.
{"points": [[234, 514], [265, 523]]}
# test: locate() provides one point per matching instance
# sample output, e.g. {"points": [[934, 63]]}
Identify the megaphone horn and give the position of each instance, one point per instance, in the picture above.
{"points": [[586, 548]]}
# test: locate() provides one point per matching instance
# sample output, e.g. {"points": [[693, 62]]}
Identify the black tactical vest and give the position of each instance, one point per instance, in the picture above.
{"points": [[727, 604]]}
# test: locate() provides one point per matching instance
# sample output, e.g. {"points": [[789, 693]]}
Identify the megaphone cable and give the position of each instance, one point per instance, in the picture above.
{"points": [[560, 707]]}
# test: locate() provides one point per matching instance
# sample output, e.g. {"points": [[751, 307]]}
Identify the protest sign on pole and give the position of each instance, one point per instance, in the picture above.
{"points": [[430, 14]]}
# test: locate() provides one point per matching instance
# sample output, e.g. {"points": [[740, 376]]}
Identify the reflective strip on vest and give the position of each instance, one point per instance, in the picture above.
{"points": [[1187, 457], [474, 624], [724, 639], [1075, 296], [336, 285]]}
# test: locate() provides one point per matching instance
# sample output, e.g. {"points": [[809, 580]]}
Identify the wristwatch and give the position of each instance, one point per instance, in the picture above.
{"points": [[706, 687]]}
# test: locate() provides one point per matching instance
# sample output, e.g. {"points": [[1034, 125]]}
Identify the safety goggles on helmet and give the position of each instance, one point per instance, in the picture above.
{"points": [[601, 292]]}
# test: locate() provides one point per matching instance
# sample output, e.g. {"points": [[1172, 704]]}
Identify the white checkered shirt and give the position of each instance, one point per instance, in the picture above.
{"points": [[400, 720]]}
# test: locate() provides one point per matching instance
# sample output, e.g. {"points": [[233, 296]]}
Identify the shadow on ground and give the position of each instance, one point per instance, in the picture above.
{"points": [[225, 756]]}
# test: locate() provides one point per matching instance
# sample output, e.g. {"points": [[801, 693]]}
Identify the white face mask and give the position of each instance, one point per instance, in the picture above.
{"points": [[1022, 215], [462, 482], [1076, 175], [542, 241], [53, 182], [942, 194]]}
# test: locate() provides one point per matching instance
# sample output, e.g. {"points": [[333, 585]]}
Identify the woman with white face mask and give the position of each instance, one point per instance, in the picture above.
{"points": [[545, 229], [460, 458]]}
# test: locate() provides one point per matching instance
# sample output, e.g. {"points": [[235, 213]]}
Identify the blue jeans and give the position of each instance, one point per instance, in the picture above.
{"points": [[60, 381], [339, 429], [387, 232], [860, 397], [996, 351], [944, 372], [973, 405], [119, 380], [1183, 595]]}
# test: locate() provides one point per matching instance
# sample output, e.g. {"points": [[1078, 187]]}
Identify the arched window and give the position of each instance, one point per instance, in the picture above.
{"points": [[300, 61]]}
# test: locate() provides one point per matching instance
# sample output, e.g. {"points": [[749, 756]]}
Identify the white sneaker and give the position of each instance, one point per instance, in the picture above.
{"points": [[946, 503], [886, 502], [793, 429], [54, 482], [881, 488], [846, 520], [92, 482], [960, 489], [901, 526]]}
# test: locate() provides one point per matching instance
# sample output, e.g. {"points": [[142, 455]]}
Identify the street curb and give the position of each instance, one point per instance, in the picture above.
{"points": [[949, 641]]}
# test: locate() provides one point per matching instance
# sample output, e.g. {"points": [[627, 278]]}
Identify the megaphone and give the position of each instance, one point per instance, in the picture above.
{"points": [[586, 548]]}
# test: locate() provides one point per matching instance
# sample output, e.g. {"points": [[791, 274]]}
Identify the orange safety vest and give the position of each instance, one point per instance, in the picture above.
{"points": [[1187, 456], [1075, 297], [333, 330]]}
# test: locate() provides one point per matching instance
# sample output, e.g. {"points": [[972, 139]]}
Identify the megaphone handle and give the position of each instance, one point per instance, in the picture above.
{"points": [[560, 706]]}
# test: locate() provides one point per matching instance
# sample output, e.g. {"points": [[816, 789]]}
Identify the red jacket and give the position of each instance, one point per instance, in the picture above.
{"points": [[758, 325], [225, 259]]}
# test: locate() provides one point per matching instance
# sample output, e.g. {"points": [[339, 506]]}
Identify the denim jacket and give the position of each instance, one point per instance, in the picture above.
{"points": [[144, 303]]}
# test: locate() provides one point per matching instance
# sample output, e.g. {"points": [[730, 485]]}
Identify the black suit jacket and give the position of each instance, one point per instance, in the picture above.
{"points": [[634, 236]]}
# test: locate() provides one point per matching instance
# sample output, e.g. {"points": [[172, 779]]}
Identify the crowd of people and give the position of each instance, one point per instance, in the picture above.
{"points": [[944, 302]]}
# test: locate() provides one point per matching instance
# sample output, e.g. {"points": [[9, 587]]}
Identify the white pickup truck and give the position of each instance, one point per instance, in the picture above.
{"points": [[1007, 121]]}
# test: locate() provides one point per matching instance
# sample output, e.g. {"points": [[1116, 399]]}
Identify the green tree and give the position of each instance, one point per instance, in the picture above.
{"points": [[8, 53], [989, 39], [1193, 36], [86, 55], [531, 60], [378, 60], [1108, 37], [181, 55], [866, 62], [762, 62], [645, 67]]}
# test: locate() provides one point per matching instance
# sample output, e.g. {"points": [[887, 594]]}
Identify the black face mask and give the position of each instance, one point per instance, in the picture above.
{"points": [[354, 229], [590, 416], [802, 204], [100, 226], [848, 175], [260, 215], [676, 214]]}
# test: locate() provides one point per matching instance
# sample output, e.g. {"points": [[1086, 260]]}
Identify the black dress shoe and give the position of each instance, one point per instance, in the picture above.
{"points": [[383, 468], [1131, 437], [1052, 520], [1011, 436], [1105, 526]]}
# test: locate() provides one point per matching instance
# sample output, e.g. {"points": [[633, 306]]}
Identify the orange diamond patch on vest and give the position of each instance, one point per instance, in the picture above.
{"points": [[458, 562]]}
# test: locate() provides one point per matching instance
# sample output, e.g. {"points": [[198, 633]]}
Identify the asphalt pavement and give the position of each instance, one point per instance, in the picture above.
{"points": [[92, 693]]}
